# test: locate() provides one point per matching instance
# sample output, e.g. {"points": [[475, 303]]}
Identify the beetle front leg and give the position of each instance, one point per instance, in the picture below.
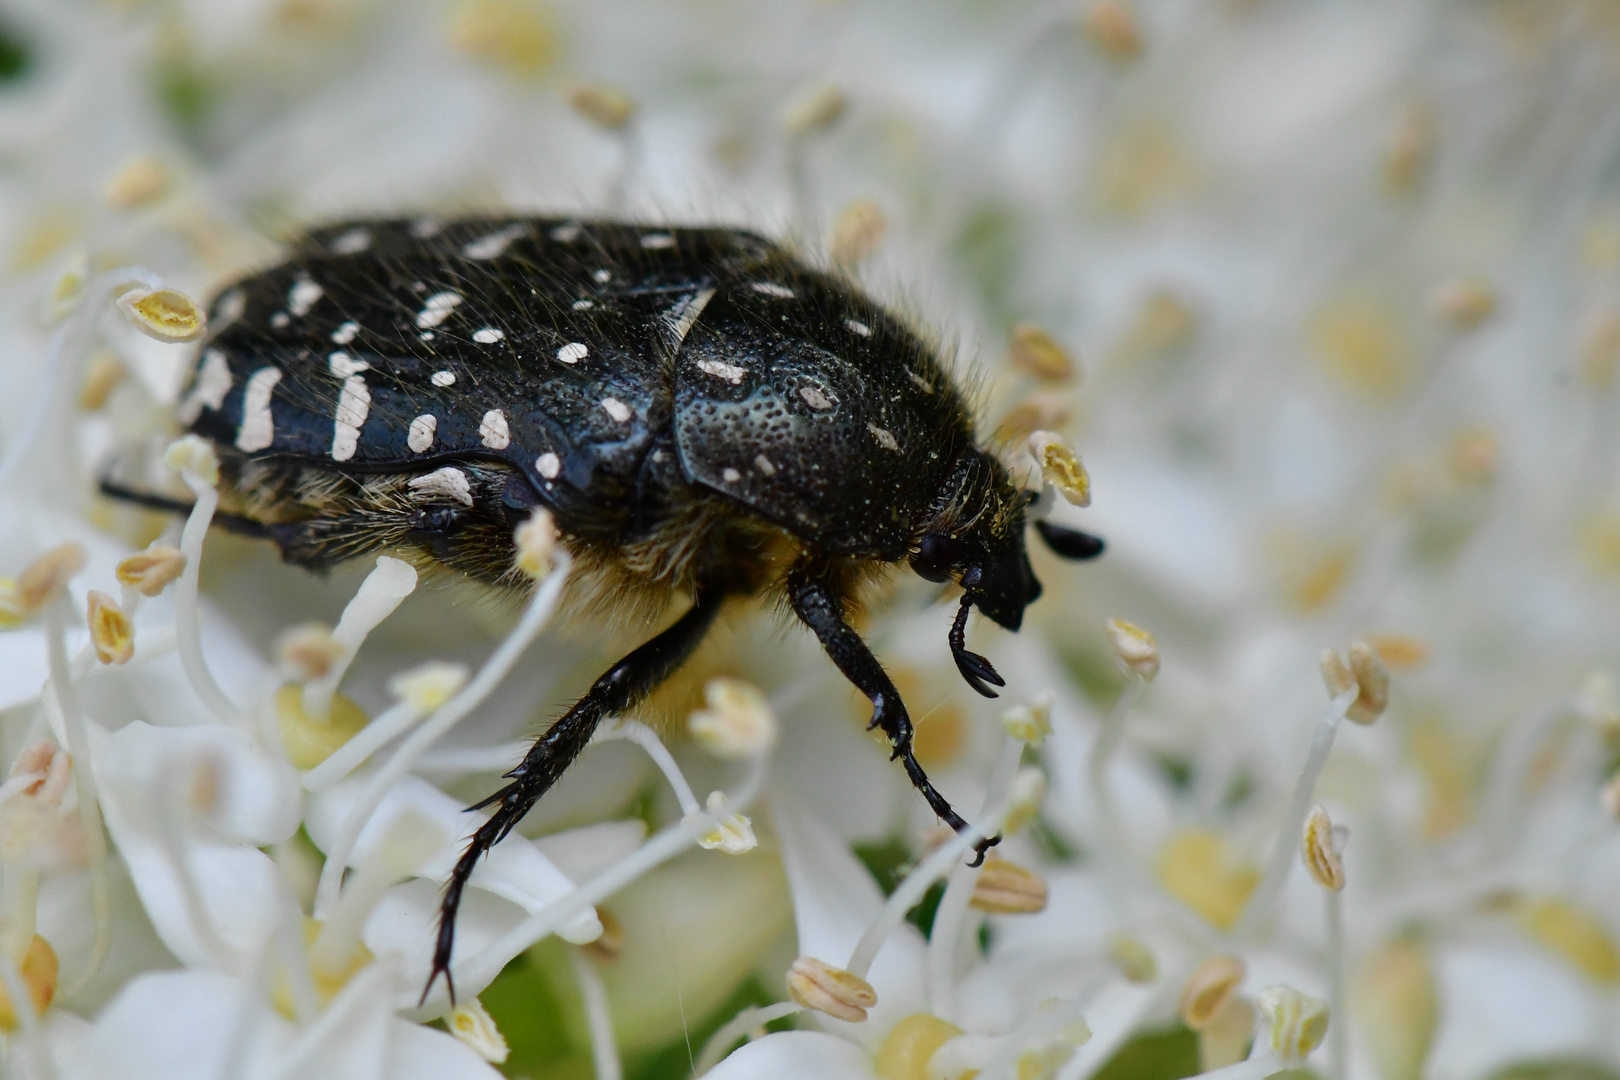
{"points": [[816, 607]]}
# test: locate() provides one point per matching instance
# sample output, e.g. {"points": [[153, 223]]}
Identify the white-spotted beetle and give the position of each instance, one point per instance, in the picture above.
{"points": [[704, 414]]}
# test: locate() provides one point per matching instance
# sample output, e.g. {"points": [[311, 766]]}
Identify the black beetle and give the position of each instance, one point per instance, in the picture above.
{"points": [[702, 412]]}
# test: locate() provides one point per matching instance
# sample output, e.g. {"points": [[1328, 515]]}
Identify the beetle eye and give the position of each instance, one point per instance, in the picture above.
{"points": [[1069, 543], [935, 557]]}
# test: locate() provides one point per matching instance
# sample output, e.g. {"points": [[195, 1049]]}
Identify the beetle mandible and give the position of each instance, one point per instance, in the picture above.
{"points": [[705, 415]]}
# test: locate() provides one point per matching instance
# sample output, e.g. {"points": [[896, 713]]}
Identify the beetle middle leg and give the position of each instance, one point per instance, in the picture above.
{"points": [[620, 687], [816, 605]]}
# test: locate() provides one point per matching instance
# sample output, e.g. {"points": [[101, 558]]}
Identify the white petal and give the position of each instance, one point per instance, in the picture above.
{"points": [[796, 1055], [585, 852], [403, 929], [182, 1025], [424, 1053], [514, 869]]}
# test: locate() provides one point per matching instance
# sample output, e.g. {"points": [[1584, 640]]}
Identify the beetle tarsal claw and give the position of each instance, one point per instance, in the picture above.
{"points": [[974, 668]]}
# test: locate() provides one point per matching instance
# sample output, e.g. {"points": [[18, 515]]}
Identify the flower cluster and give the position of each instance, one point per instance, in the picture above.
{"points": [[1327, 296]]}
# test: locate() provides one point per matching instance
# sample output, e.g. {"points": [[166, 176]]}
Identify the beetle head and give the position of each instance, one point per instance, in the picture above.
{"points": [[975, 538]]}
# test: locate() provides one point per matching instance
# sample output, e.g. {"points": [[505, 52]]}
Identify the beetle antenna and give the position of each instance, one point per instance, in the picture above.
{"points": [[974, 668]]}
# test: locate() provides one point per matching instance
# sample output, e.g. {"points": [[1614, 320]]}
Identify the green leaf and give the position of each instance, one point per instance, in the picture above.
{"points": [[1169, 1054], [1556, 1069], [673, 1061]]}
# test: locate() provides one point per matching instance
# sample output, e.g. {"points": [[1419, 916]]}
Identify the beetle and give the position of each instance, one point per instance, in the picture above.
{"points": [[705, 415]]}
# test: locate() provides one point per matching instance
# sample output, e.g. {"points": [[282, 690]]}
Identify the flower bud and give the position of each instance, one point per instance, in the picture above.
{"points": [[166, 315], [738, 722], [1061, 467], [149, 572], [1135, 651], [834, 991], [111, 632]]}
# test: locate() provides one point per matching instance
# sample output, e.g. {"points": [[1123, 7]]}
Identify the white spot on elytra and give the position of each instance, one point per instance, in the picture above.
{"points": [[657, 241], [683, 316], [815, 398], [858, 327], [730, 475], [227, 309], [443, 378], [352, 242], [354, 405], [436, 309], [771, 288], [548, 465], [426, 335], [488, 335], [602, 277], [343, 365], [573, 352], [446, 483], [420, 436], [345, 333], [422, 228], [258, 428], [493, 431], [884, 437], [493, 245], [279, 320], [303, 295], [583, 305], [922, 384], [566, 234], [765, 465], [722, 370], [616, 409], [213, 383]]}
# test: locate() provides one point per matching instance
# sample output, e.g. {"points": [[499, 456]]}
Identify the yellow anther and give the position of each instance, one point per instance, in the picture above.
{"points": [[817, 109], [1399, 651], [1005, 888], [1030, 723], [1198, 868], [910, 1043], [1133, 957], [1366, 672], [1038, 353], [1297, 1023], [732, 834], [857, 232], [1464, 304], [308, 741], [1574, 933], [517, 35], [168, 315], [1061, 467], [307, 651], [428, 686], [738, 722], [38, 970], [1134, 650], [149, 572], [1225, 1040], [195, 455], [68, 288], [1319, 851], [1409, 149], [834, 991], [605, 106], [1113, 28], [536, 540], [1397, 1009], [137, 182], [1208, 988], [103, 374], [1043, 410], [470, 1022], [47, 575], [111, 632], [1600, 348]]}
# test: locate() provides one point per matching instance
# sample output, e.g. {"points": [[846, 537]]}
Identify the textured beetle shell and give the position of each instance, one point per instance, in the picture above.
{"points": [[593, 358]]}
